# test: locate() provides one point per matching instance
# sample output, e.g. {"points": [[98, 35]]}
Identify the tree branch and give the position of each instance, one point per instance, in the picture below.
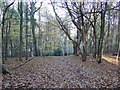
{"points": [[64, 28], [38, 8]]}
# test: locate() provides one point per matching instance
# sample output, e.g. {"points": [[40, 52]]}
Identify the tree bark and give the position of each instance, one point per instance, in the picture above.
{"points": [[33, 24], [26, 31], [84, 36], [94, 35], [6, 40], [75, 49], [20, 9], [100, 41], [40, 36], [118, 53], [108, 32]]}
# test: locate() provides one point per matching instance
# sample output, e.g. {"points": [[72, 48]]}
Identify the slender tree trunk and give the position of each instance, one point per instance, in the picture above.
{"points": [[118, 49], [11, 48], [100, 41], [95, 47], [26, 31], [95, 38], [108, 32], [34, 38], [9, 33], [40, 36], [33, 29], [3, 28], [118, 53], [78, 41], [65, 45], [21, 28], [84, 36], [6, 41]]}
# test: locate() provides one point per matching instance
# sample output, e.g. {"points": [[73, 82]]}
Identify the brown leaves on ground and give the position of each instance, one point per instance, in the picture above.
{"points": [[62, 72]]}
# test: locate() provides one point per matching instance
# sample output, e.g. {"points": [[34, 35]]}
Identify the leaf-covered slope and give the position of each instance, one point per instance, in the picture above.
{"points": [[62, 72]]}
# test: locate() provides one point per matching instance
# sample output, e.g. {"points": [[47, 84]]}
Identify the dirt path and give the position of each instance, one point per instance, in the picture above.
{"points": [[63, 72]]}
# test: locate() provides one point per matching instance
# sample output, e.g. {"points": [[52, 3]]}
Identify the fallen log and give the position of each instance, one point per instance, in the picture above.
{"points": [[22, 64]]}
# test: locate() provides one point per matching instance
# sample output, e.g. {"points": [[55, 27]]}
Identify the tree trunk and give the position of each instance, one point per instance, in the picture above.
{"points": [[26, 31], [108, 32], [20, 9], [65, 45], [84, 41], [94, 35], [6, 41], [100, 41], [40, 36], [83, 36], [95, 47], [33, 29], [11, 48], [34, 38], [118, 53], [75, 49]]}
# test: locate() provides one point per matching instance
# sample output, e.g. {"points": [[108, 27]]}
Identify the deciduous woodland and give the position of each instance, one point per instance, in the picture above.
{"points": [[59, 44]]}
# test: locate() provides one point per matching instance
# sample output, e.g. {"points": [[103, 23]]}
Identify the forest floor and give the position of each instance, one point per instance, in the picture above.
{"points": [[62, 72]]}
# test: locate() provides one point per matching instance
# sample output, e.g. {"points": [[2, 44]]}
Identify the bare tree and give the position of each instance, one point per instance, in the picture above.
{"points": [[64, 28]]}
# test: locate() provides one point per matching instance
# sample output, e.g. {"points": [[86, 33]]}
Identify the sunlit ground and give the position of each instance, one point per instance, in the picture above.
{"points": [[111, 59]]}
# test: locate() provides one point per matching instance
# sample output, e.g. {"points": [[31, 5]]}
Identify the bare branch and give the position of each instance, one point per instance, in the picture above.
{"points": [[38, 7]]}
